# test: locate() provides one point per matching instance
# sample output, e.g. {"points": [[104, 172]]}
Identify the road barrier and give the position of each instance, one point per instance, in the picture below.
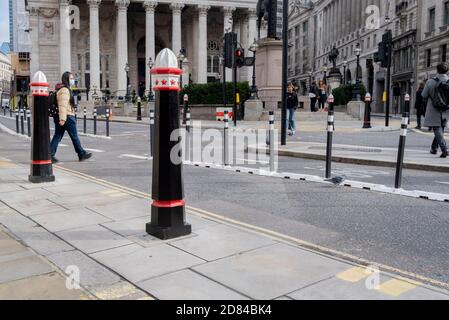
{"points": [[401, 150], [330, 132]]}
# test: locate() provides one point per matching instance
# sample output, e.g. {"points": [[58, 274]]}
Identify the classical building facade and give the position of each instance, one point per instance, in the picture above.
{"points": [[433, 36], [5, 75], [111, 34]]}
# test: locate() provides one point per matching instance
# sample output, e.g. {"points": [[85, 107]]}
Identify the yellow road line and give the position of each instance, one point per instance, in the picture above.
{"points": [[273, 234]]}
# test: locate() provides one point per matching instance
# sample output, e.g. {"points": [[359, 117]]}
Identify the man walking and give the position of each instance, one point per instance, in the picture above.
{"points": [[314, 92], [420, 105], [435, 118], [292, 105], [65, 120]]}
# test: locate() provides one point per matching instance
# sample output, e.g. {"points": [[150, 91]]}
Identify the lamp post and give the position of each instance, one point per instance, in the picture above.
{"points": [[310, 79], [150, 67], [254, 91], [127, 82], [181, 56], [325, 74], [345, 65], [356, 93]]}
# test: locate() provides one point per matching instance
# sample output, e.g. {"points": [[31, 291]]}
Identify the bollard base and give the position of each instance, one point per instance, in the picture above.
{"points": [[34, 179], [168, 223], [367, 126]]}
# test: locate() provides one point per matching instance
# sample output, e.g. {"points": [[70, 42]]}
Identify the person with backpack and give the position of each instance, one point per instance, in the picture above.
{"points": [[292, 105], [62, 109], [420, 106], [436, 92]]}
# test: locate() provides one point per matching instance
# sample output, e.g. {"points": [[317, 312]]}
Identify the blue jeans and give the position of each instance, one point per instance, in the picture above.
{"points": [[439, 141], [291, 123], [70, 127]]}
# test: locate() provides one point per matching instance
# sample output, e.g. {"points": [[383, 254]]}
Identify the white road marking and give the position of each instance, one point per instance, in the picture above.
{"points": [[253, 161], [133, 156], [95, 150], [440, 182]]}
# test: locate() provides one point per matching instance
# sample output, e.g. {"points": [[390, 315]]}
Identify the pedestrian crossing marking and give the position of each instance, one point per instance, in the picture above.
{"points": [[116, 292], [354, 274], [397, 287]]}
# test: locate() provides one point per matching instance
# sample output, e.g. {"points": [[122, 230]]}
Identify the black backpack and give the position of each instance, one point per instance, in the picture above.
{"points": [[441, 96], [53, 109]]}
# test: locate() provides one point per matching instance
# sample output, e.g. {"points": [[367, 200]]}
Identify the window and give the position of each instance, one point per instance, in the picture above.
{"points": [[446, 13], [431, 21], [429, 58], [443, 50]]}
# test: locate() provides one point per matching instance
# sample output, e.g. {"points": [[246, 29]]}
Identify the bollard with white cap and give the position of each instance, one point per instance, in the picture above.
{"points": [[168, 207], [226, 139], [330, 132], [400, 160], [272, 142], [407, 105], [85, 120], [29, 122], [186, 109], [367, 118], [139, 109], [41, 165], [151, 132]]}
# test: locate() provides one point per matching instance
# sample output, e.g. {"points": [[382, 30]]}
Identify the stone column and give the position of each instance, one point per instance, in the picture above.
{"points": [[34, 36], [176, 29], [202, 43], [228, 23], [94, 33], [150, 45], [65, 52], [122, 45]]}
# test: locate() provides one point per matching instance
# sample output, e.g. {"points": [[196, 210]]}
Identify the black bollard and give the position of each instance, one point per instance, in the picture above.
{"points": [[367, 118], [226, 139], [151, 132], [29, 122], [85, 121], [95, 121], [186, 109], [107, 122], [22, 122], [41, 166], [188, 136], [168, 207], [400, 161], [17, 121], [139, 109], [407, 105], [330, 132], [272, 143]]}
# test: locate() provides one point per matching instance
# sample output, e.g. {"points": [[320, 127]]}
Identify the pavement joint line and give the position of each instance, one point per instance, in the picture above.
{"points": [[270, 233]]}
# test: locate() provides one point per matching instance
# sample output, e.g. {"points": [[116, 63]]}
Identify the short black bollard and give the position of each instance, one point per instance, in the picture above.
{"points": [[330, 132], [151, 132], [367, 118], [29, 122], [226, 139], [168, 208], [107, 122], [17, 122], [22, 122], [400, 161], [186, 109], [10, 112], [95, 121], [4, 111], [41, 166], [139, 109], [85, 121], [407, 105], [272, 142]]}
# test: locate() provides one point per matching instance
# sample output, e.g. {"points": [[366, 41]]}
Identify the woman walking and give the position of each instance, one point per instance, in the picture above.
{"points": [[323, 95], [292, 105]]}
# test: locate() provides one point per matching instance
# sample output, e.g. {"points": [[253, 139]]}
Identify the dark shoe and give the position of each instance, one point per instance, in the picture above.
{"points": [[418, 127], [433, 151], [54, 160], [85, 157], [444, 154]]}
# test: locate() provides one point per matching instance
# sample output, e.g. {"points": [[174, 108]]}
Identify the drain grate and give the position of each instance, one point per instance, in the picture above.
{"points": [[368, 150]]}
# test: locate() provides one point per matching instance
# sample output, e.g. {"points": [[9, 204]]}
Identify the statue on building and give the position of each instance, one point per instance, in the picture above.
{"points": [[333, 56]]}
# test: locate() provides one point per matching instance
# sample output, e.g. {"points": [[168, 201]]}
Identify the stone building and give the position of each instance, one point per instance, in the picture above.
{"points": [[433, 36], [113, 33], [5, 75]]}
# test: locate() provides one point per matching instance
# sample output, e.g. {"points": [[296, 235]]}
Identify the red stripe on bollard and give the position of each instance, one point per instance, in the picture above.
{"points": [[41, 162], [169, 204]]}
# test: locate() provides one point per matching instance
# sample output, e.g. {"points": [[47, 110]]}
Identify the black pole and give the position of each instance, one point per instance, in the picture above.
{"points": [[22, 122], [85, 121], [168, 207], [284, 72], [388, 82], [29, 123], [224, 85], [330, 132], [17, 121], [186, 109], [226, 139], [400, 161], [234, 108], [41, 167], [95, 121], [139, 109], [151, 132], [107, 122], [367, 118]]}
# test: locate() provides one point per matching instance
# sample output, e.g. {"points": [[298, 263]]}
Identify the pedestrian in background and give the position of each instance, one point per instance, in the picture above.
{"points": [[435, 118], [65, 119], [420, 105], [322, 94], [292, 105], [314, 92]]}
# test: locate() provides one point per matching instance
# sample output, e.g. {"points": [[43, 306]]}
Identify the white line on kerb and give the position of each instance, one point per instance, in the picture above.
{"points": [[440, 182], [133, 156]]}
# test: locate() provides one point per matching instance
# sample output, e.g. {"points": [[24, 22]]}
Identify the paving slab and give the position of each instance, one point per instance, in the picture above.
{"points": [[25, 195], [136, 263], [23, 268], [86, 200], [221, 241], [129, 227], [271, 272], [44, 287], [70, 219], [16, 222], [188, 285], [70, 190], [34, 207], [9, 187], [92, 274], [93, 238], [120, 291], [61, 179], [124, 210]]}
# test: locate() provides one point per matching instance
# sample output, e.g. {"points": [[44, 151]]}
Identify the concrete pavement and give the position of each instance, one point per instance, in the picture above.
{"points": [[99, 227]]}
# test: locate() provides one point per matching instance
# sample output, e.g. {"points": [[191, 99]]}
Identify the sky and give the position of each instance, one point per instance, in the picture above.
{"points": [[4, 21]]}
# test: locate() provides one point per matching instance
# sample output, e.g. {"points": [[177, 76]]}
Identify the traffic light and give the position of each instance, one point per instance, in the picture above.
{"points": [[239, 57], [385, 50], [230, 41]]}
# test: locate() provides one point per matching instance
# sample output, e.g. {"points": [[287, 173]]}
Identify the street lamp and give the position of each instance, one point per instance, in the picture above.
{"points": [[127, 82], [358, 52], [345, 65], [325, 73], [150, 67], [310, 79], [181, 58], [254, 91]]}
